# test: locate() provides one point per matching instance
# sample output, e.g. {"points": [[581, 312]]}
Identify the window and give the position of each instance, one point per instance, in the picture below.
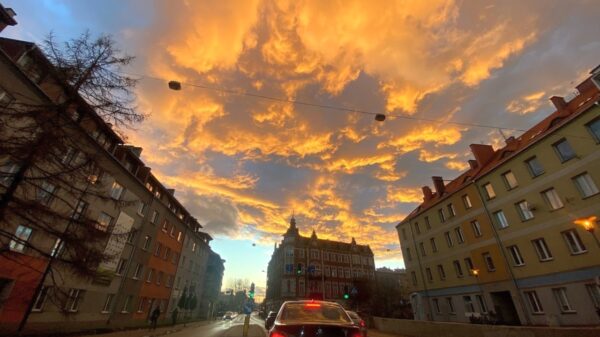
{"points": [[169, 283], [469, 307], [141, 208], [75, 296], [489, 262], [154, 218], [139, 268], [408, 254], [594, 128], [179, 236], [159, 278], [131, 235], [121, 265], [501, 219], [149, 275], [22, 236], [417, 228], [534, 302], [481, 302], [141, 304], [7, 171], [516, 255], [441, 272], [436, 305], [510, 181], [172, 234], [564, 150], [542, 249], [167, 253], [79, 210], [460, 237], [476, 228], [524, 210], [107, 303], [458, 268], [552, 199], [489, 191], [441, 215], [585, 185], [165, 226], [45, 193], [104, 221], [427, 223], [433, 245], [40, 300], [403, 233], [467, 201], [563, 301], [448, 239], [413, 276], [573, 241], [157, 249], [147, 241], [126, 304], [594, 291], [422, 247], [534, 167], [57, 248], [469, 264], [5, 98], [429, 274], [450, 304], [116, 190], [451, 210]]}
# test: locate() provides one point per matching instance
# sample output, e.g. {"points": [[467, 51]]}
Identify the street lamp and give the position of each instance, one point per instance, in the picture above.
{"points": [[589, 225]]}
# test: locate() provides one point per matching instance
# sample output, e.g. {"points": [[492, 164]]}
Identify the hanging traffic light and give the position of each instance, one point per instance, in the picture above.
{"points": [[299, 269], [346, 293]]}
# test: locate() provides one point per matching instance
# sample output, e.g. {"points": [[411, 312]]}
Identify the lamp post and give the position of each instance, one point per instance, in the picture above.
{"points": [[589, 224]]}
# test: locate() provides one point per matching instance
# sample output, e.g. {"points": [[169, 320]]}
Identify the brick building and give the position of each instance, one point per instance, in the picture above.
{"points": [[309, 267]]}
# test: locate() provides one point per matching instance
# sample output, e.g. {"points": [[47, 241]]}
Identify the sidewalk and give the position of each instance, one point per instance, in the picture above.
{"points": [[145, 332]]}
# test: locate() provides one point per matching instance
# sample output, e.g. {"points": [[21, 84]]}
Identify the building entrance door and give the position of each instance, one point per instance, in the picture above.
{"points": [[506, 313]]}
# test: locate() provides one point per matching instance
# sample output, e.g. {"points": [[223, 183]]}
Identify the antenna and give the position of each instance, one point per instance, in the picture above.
{"points": [[502, 133]]}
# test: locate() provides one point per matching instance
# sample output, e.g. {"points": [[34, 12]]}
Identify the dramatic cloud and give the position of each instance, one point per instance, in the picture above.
{"points": [[243, 158]]}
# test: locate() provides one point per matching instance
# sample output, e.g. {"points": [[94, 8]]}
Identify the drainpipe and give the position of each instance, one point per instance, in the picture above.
{"points": [[412, 234], [505, 258]]}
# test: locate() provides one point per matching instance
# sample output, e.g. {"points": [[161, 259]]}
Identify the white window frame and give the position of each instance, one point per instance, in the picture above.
{"points": [[531, 167], [476, 228], [458, 268], [73, 299], [585, 185], [441, 271], [489, 262], [467, 201], [534, 302], [573, 241], [107, 303], [510, 181], [482, 305], [460, 236], [40, 300], [542, 249], [451, 209], [433, 245], [489, 191], [515, 253], [22, 235], [552, 199], [564, 156], [450, 303], [448, 238], [560, 294], [524, 210], [501, 219], [116, 190]]}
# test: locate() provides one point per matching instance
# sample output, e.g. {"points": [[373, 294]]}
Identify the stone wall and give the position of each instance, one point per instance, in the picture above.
{"points": [[408, 328]]}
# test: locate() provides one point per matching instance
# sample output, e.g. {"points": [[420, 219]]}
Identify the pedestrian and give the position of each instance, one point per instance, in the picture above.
{"points": [[174, 315], [154, 317]]}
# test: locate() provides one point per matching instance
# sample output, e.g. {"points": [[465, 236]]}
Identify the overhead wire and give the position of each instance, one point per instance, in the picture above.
{"points": [[336, 108]]}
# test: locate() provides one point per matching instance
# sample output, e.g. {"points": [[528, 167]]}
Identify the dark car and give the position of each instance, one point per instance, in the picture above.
{"points": [[270, 319], [313, 319], [358, 321]]}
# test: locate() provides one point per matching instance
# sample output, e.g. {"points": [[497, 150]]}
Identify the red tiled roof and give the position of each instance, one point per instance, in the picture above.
{"points": [[588, 95]]}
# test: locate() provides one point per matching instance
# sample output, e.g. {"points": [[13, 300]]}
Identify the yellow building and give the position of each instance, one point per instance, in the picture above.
{"points": [[512, 239]]}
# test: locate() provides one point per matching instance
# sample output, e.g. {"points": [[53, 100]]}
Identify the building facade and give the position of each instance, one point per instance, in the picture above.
{"points": [[309, 267], [156, 246], [512, 240], [391, 298]]}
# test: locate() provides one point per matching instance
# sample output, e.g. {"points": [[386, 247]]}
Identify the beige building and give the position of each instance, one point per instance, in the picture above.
{"points": [[512, 239]]}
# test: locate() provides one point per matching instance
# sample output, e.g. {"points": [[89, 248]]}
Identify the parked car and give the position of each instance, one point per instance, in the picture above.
{"points": [[270, 319], [228, 316], [359, 322]]}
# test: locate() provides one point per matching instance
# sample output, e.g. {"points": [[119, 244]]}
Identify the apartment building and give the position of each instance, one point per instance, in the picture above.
{"points": [[309, 267], [147, 230], [512, 239]]}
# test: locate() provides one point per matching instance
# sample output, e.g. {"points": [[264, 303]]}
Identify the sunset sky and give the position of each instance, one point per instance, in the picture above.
{"points": [[243, 164]]}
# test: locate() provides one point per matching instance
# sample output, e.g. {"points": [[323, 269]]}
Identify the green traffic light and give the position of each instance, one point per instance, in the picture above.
{"points": [[346, 296], [251, 294]]}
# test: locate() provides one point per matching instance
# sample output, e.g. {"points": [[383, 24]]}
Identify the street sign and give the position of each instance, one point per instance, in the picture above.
{"points": [[248, 307]]}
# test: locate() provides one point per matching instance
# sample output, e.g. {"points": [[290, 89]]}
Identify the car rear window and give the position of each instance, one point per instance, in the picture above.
{"points": [[353, 315], [313, 312]]}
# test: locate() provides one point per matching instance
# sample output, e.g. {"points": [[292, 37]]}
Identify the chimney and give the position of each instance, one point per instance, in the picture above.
{"points": [[7, 17], [559, 102], [171, 191], [438, 183], [483, 153], [472, 164], [136, 150], [427, 194]]}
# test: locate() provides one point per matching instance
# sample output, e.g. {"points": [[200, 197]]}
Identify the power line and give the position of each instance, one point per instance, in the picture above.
{"points": [[339, 108]]}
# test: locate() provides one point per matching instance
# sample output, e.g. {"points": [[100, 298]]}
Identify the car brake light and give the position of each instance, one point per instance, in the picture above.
{"points": [[312, 305], [356, 334], [278, 334], [362, 323]]}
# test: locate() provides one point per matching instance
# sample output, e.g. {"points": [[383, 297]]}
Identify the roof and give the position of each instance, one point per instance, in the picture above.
{"points": [[6, 16], [565, 112]]}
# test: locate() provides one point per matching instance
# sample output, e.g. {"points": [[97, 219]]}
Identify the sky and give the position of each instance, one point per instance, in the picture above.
{"points": [[244, 164]]}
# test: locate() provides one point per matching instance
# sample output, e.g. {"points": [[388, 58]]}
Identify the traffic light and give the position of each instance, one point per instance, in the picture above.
{"points": [[346, 294], [251, 294], [299, 269]]}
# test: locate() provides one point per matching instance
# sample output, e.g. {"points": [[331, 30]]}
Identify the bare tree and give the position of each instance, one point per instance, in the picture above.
{"points": [[52, 154]]}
